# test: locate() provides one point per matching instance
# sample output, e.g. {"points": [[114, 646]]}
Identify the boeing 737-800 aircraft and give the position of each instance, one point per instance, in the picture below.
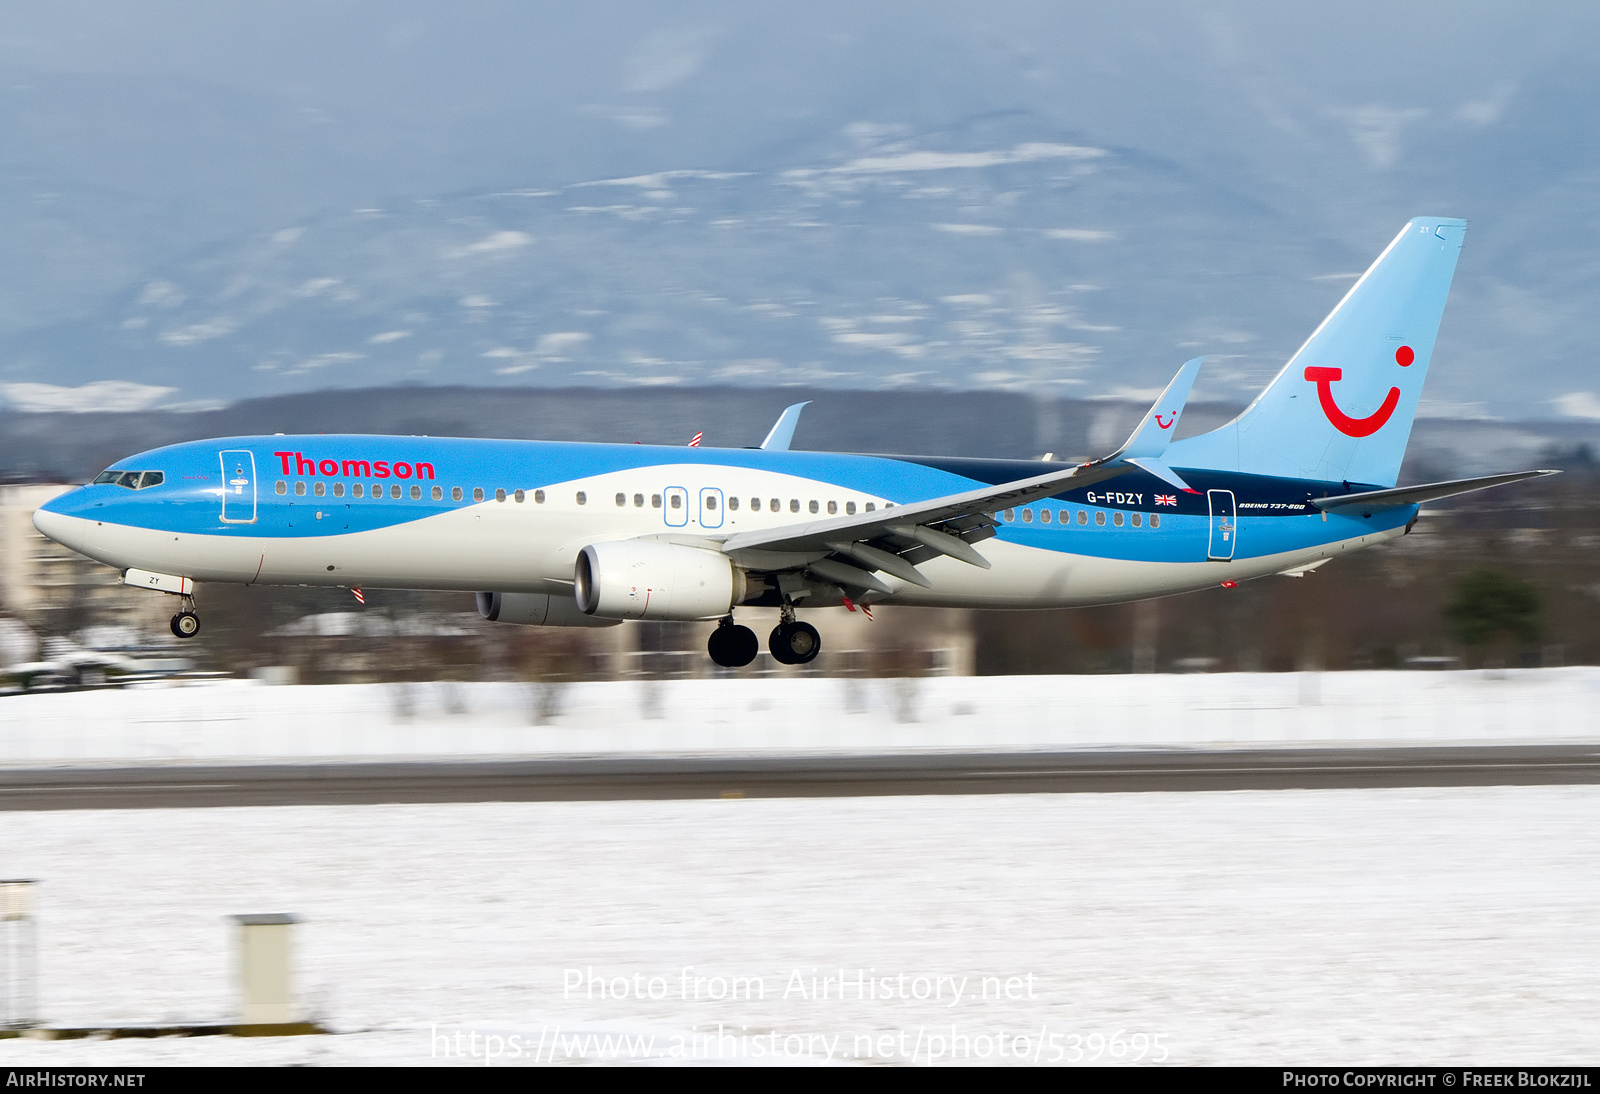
{"points": [[593, 534]]}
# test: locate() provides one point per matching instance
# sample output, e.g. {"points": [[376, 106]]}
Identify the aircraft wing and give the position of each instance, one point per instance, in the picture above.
{"points": [[1155, 430], [1374, 500], [845, 550]]}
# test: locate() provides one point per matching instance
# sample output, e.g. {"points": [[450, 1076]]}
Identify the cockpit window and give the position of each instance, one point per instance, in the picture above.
{"points": [[133, 480]]}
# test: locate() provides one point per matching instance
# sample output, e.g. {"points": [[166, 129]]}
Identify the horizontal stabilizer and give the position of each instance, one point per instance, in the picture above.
{"points": [[1374, 500]]}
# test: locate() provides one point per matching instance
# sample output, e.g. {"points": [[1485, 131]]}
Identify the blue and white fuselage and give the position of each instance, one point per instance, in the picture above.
{"points": [[591, 534], [512, 516]]}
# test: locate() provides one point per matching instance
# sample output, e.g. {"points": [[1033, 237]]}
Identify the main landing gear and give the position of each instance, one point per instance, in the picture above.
{"points": [[186, 624], [731, 645], [793, 642]]}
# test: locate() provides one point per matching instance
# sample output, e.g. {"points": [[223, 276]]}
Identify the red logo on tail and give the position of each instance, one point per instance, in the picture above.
{"points": [[1168, 423], [1350, 427]]}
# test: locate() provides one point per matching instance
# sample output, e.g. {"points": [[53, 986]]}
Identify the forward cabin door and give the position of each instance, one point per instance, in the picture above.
{"points": [[238, 487], [1224, 525]]}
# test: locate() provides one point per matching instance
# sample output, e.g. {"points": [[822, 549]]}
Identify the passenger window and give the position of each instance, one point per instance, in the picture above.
{"points": [[1116, 519], [1083, 517], [871, 507], [455, 493], [1155, 520], [299, 489], [394, 492], [416, 493], [794, 505], [813, 505], [477, 493], [357, 490], [638, 501], [583, 498], [655, 501], [281, 488], [833, 507], [1011, 514], [733, 504], [850, 508], [499, 495], [520, 496], [775, 505], [1044, 516], [677, 501], [320, 489], [1100, 517], [1138, 521], [538, 497], [438, 493], [1027, 516], [622, 499], [338, 489], [711, 501]]}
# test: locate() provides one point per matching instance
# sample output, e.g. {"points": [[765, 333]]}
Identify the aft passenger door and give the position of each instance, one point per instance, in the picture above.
{"points": [[238, 486], [1224, 525]]}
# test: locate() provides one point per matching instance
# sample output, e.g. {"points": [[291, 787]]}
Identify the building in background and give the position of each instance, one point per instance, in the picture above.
{"points": [[57, 591]]}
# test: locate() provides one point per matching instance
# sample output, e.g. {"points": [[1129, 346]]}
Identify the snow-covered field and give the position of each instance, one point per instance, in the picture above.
{"points": [[1359, 926], [243, 722]]}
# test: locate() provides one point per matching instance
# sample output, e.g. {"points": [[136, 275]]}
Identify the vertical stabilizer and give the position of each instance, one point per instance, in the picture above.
{"points": [[1342, 408]]}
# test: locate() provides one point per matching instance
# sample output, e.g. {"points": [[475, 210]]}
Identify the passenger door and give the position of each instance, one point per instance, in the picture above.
{"points": [[238, 486], [1224, 526]]}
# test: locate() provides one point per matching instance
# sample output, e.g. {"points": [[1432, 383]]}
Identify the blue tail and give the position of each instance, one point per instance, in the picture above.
{"points": [[1342, 408]]}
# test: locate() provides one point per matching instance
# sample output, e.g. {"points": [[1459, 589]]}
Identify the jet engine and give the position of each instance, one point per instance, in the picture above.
{"points": [[536, 610], [649, 579]]}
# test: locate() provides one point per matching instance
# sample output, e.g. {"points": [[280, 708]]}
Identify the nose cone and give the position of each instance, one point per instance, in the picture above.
{"points": [[57, 519]]}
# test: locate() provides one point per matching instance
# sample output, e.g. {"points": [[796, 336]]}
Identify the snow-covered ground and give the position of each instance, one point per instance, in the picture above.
{"points": [[1353, 926], [243, 722]]}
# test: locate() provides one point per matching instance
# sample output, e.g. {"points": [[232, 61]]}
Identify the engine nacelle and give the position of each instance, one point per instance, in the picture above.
{"points": [[536, 610], [649, 579]]}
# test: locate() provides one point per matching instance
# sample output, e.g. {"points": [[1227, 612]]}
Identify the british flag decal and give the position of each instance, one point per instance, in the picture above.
{"points": [[1166, 499]]}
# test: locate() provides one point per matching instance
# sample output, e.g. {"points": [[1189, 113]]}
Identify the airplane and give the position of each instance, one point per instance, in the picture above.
{"points": [[580, 535]]}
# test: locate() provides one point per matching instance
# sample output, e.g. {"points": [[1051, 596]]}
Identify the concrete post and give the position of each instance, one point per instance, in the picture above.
{"points": [[19, 951], [266, 997]]}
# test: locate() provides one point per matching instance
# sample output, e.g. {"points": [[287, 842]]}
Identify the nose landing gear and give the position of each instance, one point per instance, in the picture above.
{"points": [[186, 624]]}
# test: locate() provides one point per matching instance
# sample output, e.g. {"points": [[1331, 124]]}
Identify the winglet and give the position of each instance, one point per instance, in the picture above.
{"points": [[1149, 441], [782, 431]]}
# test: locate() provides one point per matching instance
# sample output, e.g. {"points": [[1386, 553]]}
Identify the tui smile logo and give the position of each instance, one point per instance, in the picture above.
{"points": [[1168, 423], [1356, 427]]}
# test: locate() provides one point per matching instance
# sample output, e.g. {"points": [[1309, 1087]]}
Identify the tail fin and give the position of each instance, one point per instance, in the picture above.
{"points": [[1342, 408]]}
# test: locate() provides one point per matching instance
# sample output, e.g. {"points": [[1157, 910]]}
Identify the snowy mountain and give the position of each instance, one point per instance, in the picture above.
{"points": [[1058, 200]]}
